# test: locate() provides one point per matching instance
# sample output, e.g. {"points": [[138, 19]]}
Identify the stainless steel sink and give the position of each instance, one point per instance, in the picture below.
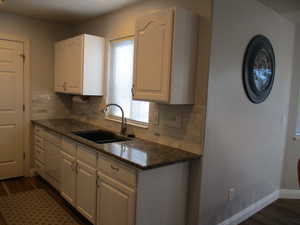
{"points": [[100, 136]]}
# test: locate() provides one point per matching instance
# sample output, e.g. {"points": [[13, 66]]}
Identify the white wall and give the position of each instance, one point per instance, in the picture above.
{"points": [[42, 35], [244, 144], [292, 153]]}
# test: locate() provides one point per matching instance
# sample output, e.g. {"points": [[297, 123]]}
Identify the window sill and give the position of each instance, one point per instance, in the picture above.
{"points": [[130, 122]]}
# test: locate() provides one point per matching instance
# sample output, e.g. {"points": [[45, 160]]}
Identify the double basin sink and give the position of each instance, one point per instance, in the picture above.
{"points": [[100, 136]]}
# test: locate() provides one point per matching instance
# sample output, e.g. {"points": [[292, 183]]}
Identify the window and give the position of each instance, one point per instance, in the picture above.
{"points": [[120, 83]]}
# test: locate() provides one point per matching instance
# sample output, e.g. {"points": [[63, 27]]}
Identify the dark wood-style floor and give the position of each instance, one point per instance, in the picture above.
{"points": [[18, 185], [282, 212]]}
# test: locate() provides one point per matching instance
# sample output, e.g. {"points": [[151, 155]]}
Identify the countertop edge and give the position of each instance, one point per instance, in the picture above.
{"points": [[135, 165]]}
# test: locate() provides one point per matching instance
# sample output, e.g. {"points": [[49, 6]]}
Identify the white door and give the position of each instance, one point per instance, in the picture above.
{"points": [[153, 53], [11, 109], [116, 203], [86, 191], [68, 178]]}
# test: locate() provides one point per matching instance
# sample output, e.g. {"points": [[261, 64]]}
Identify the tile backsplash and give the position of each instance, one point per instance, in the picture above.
{"points": [[176, 126], [47, 105]]}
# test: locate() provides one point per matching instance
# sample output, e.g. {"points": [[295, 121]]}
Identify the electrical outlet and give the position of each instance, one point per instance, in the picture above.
{"points": [[173, 120], [231, 194]]}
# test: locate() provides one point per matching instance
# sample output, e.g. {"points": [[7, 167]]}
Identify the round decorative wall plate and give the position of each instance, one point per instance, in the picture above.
{"points": [[259, 69]]}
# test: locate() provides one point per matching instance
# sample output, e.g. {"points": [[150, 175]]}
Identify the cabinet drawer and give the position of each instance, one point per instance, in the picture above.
{"points": [[39, 141], [87, 155], [39, 154], [40, 168], [117, 171], [68, 146], [53, 138], [39, 131]]}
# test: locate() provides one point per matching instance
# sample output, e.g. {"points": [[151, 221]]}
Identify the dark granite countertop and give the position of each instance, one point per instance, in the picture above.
{"points": [[136, 152]]}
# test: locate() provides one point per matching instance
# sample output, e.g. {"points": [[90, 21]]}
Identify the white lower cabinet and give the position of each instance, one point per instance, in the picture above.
{"points": [[115, 201], [39, 151], [52, 164], [40, 168], [86, 191], [107, 191], [79, 175], [68, 178]]}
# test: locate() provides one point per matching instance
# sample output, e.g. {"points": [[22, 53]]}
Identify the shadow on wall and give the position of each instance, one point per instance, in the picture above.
{"points": [[244, 144], [292, 153]]}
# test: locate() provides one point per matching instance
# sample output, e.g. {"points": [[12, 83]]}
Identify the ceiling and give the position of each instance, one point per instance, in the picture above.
{"points": [[75, 11], [287, 8], [69, 11]]}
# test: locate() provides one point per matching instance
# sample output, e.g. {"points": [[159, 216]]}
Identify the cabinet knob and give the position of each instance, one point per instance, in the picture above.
{"points": [[114, 168], [73, 166], [65, 86], [98, 181], [77, 168]]}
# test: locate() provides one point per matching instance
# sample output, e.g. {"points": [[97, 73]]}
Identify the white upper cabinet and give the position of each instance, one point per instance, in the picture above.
{"points": [[79, 65], [165, 57]]}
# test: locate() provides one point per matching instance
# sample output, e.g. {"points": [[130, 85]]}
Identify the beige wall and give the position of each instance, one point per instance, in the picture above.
{"points": [[244, 144], [42, 36], [292, 150], [121, 23]]}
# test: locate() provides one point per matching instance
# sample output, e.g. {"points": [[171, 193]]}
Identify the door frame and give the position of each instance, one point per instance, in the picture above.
{"points": [[27, 128]]}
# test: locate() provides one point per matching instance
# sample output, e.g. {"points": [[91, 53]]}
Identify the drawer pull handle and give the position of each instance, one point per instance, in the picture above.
{"points": [[74, 167], [114, 168], [77, 168], [98, 182]]}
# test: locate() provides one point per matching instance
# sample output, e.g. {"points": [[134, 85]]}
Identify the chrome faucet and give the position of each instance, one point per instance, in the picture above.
{"points": [[124, 121]]}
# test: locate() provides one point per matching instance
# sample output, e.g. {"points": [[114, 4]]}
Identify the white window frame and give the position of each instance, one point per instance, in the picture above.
{"points": [[107, 115]]}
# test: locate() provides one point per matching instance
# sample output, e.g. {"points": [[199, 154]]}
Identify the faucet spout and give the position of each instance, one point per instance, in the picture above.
{"points": [[124, 121]]}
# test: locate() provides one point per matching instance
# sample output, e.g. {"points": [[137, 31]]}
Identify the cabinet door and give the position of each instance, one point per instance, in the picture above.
{"points": [[68, 178], [86, 191], [116, 203], [60, 67], [74, 65], [52, 161], [153, 53]]}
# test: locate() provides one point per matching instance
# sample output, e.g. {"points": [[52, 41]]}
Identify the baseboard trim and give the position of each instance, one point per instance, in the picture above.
{"points": [[251, 210], [289, 194]]}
